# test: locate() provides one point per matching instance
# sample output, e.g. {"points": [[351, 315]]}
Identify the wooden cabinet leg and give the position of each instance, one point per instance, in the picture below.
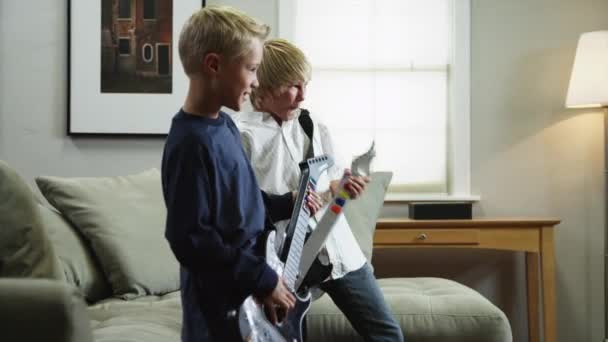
{"points": [[532, 275], [547, 257]]}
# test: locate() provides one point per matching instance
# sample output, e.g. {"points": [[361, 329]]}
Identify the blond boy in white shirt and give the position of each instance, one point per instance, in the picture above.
{"points": [[275, 142]]}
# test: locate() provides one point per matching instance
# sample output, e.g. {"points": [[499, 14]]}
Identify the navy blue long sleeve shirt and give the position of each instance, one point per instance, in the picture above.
{"points": [[215, 214]]}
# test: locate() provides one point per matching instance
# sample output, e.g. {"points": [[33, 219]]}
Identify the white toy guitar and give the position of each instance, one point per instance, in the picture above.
{"points": [[359, 167]]}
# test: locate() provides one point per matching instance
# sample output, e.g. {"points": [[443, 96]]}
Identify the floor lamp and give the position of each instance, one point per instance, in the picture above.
{"points": [[588, 88]]}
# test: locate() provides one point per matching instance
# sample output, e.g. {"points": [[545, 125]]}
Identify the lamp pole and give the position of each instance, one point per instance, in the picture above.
{"points": [[605, 222]]}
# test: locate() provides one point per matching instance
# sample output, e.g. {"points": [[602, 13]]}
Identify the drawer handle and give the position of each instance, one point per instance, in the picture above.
{"points": [[422, 237]]}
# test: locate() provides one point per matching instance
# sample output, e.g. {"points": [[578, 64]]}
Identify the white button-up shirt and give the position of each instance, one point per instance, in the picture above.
{"points": [[275, 152]]}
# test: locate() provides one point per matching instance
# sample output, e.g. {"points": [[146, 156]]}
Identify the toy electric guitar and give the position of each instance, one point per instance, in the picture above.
{"points": [[300, 256], [283, 255], [308, 264]]}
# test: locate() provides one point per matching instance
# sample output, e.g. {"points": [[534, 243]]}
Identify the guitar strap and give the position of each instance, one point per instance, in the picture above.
{"points": [[308, 127]]}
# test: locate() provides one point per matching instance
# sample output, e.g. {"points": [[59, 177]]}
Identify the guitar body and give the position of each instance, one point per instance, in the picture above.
{"points": [[317, 274], [253, 322]]}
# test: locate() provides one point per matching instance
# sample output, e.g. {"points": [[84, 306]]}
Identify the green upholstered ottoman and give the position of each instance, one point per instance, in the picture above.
{"points": [[428, 309]]}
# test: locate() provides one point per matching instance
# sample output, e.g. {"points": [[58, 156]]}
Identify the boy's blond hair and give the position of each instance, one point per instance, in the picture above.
{"points": [[282, 64], [218, 29]]}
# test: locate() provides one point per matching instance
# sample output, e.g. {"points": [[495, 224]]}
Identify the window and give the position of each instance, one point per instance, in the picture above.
{"points": [[149, 9], [395, 72], [124, 46], [147, 53], [124, 9]]}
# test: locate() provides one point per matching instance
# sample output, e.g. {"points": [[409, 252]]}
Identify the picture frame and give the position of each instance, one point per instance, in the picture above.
{"points": [[124, 74]]}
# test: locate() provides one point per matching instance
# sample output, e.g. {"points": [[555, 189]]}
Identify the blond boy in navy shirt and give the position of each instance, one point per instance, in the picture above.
{"points": [[215, 209]]}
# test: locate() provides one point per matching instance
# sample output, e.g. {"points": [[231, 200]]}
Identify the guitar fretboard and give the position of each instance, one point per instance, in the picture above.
{"points": [[290, 273]]}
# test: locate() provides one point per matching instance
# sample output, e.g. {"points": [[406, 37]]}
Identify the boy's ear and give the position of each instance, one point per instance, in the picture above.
{"points": [[211, 63]]}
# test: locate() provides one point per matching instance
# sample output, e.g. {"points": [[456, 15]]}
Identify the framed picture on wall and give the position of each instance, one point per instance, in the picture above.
{"points": [[124, 73]]}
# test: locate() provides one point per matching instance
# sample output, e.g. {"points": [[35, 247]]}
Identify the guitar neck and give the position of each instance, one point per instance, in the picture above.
{"points": [[292, 265]]}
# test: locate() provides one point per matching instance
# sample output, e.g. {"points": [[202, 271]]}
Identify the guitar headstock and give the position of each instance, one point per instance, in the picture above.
{"points": [[361, 164]]}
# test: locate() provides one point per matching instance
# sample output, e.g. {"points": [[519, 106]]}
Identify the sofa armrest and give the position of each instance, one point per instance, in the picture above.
{"points": [[42, 310]]}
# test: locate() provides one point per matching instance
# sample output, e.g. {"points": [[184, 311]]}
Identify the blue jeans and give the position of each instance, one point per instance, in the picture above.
{"points": [[358, 296]]}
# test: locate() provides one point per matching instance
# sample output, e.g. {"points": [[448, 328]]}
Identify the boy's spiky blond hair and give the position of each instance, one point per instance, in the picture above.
{"points": [[283, 64], [218, 29]]}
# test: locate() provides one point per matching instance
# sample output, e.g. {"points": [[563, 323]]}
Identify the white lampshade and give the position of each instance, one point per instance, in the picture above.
{"points": [[589, 80]]}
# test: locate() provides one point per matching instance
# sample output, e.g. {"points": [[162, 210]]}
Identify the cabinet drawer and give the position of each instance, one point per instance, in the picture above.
{"points": [[427, 237]]}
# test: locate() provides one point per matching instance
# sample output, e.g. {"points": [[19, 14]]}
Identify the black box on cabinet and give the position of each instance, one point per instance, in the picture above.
{"points": [[440, 210]]}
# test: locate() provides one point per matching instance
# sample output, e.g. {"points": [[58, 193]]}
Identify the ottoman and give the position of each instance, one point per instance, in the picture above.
{"points": [[428, 309]]}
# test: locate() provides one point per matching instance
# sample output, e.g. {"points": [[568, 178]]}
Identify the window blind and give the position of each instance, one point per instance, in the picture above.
{"points": [[380, 73]]}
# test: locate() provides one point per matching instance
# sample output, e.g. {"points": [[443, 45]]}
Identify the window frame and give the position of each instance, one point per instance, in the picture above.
{"points": [[128, 39], [459, 104], [130, 17], [155, 10], [143, 53]]}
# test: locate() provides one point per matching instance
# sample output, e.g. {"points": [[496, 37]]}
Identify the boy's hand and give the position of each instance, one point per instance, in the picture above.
{"points": [[279, 299], [354, 185], [312, 200]]}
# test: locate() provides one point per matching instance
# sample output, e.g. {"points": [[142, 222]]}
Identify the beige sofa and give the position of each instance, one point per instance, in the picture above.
{"points": [[93, 266]]}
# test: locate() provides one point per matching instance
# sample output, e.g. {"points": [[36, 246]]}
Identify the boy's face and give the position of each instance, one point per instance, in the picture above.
{"points": [[238, 77], [284, 101]]}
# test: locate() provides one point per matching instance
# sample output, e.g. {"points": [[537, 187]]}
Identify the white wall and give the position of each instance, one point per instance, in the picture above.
{"points": [[33, 69], [530, 156]]}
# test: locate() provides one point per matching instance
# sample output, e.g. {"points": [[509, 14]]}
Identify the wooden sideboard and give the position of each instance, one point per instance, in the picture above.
{"points": [[532, 236]]}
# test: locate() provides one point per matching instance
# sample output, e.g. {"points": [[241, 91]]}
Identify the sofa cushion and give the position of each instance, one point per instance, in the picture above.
{"points": [[79, 265], [25, 250], [123, 218], [427, 309], [144, 319], [363, 212]]}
